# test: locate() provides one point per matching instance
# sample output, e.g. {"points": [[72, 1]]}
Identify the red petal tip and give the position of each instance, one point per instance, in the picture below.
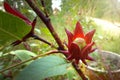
{"points": [[89, 36], [70, 37], [78, 31]]}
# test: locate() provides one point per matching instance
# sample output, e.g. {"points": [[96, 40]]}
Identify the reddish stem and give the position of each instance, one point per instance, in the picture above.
{"points": [[43, 40], [47, 22], [27, 46], [77, 68]]}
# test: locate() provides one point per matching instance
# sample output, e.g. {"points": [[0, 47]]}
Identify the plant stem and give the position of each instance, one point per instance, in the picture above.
{"points": [[45, 11], [43, 40], [79, 71], [47, 22], [27, 46], [33, 58]]}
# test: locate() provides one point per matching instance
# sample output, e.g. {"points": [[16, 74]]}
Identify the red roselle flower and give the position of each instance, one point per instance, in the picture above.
{"points": [[79, 44], [13, 11]]}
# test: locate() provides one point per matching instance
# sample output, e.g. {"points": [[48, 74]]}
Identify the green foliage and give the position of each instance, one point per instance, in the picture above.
{"points": [[106, 9], [1, 77], [12, 28], [43, 68], [79, 7], [72, 74], [47, 6], [24, 54], [107, 41]]}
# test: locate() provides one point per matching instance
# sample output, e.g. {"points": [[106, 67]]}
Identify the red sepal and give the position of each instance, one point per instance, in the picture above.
{"points": [[89, 36], [10, 10]]}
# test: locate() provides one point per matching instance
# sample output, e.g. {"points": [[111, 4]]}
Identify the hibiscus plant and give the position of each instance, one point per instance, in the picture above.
{"points": [[41, 66]]}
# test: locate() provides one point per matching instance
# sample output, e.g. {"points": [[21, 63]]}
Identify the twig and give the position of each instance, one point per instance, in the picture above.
{"points": [[47, 22], [79, 71], [43, 40], [27, 46], [33, 58], [45, 11]]}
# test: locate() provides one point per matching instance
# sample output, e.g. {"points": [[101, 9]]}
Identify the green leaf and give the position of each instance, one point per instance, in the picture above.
{"points": [[12, 28], [24, 54], [43, 68], [1, 77]]}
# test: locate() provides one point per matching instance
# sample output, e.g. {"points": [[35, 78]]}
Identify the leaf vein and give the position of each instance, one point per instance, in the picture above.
{"points": [[9, 33]]}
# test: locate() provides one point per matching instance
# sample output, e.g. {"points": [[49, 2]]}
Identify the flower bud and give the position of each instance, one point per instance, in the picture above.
{"points": [[80, 42]]}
